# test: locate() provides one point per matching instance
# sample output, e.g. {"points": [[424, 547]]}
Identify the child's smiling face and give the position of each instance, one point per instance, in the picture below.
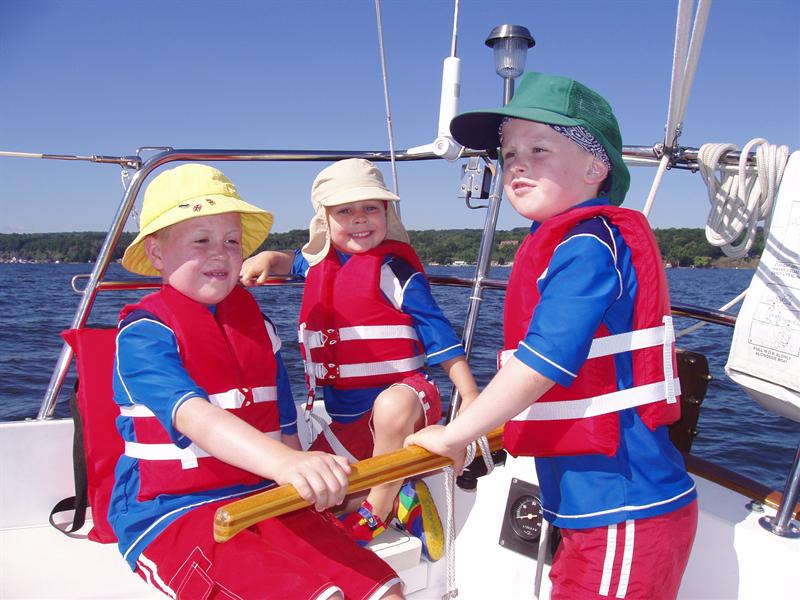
{"points": [[357, 227], [545, 173], [199, 257]]}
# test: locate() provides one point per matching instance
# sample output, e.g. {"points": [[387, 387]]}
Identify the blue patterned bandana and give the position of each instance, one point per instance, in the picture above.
{"points": [[578, 134]]}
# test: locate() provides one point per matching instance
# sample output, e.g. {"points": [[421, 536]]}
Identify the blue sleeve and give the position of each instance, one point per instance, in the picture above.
{"points": [[148, 370], [409, 291], [577, 289], [286, 406], [300, 265]]}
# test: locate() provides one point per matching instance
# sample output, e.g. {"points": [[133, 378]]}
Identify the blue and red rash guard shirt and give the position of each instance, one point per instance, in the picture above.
{"points": [[147, 367], [407, 290], [590, 280]]}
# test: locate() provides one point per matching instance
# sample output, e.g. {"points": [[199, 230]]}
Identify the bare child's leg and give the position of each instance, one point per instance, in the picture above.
{"points": [[396, 414]]}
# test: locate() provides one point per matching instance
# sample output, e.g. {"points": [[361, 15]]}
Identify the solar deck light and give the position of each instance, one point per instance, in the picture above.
{"points": [[510, 44]]}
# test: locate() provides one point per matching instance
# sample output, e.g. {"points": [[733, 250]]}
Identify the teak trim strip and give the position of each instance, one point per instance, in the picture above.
{"points": [[736, 482]]}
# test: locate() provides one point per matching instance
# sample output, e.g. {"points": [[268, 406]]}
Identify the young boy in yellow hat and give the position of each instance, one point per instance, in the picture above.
{"points": [[204, 407], [588, 382], [368, 326]]}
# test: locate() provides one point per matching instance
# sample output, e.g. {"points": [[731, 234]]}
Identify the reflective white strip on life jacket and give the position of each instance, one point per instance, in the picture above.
{"points": [[599, 405], [235, 398], [231, 399], [630, 340], [318, 339], [378, 332], [386, 367], [303, 335], [188, 456], [669, 340], [663, 335]]}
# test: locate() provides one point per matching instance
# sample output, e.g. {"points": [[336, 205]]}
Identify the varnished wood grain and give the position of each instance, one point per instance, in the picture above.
{"points": [[406, 462]]}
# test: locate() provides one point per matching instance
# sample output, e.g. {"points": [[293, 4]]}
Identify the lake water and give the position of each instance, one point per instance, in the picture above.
{"points": [[37, 302]]}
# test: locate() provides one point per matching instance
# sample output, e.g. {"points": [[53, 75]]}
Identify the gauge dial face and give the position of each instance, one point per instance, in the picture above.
{"points": [[526, 518]]}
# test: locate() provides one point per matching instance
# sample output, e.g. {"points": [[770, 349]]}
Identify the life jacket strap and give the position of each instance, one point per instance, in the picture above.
{"points": [[328, 372], [662, 335], [600, 405], [330, 337], [336, 445], [231, 399], [633, 340], [187, 456]]}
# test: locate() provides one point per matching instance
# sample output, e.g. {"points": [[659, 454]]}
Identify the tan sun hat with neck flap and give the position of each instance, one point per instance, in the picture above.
{"points": [[350, 180], [186, 192]]}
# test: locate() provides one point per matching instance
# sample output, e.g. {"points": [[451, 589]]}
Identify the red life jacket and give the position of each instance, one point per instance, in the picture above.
{"points": [[350, 335], [583, 419], [96, 433], [228, 354]]}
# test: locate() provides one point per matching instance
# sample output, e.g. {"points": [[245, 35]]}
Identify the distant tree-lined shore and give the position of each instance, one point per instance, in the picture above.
{"points": [[681, 247]]}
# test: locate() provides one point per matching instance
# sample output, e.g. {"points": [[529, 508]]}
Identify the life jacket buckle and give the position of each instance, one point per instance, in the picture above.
{"points": [[330, 337], [330, 371], [309, 404]]}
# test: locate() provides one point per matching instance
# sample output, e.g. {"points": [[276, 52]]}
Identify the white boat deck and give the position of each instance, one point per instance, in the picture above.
{"points": [[733, 555]]}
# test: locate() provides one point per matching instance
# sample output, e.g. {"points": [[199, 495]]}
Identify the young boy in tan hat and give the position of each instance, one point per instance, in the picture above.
{"points": [[205, 411], [588, 383], [368, 326]]}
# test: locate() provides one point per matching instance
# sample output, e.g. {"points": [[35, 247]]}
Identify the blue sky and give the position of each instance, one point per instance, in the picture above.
{"points": [[107, 77]]}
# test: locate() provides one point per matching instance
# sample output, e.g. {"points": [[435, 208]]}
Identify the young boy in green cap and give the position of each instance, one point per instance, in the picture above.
{"points": [[588, 381], [206, 413]]}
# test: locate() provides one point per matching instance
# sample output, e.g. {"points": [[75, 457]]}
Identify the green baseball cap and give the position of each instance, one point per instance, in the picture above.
{"points": [[553, 100]]}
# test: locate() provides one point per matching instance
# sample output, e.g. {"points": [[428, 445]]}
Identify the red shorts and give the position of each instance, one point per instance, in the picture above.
{"points": [[642, 559], [358, 436], [304, 554]]}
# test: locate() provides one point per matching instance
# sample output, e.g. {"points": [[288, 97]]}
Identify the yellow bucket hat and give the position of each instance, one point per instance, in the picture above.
{"points": [[189, 191], [350, 180]]}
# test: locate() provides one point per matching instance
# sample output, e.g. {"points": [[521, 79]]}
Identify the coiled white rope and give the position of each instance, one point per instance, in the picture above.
{"points": [[450, 526], [742, 197], [739, 199]]}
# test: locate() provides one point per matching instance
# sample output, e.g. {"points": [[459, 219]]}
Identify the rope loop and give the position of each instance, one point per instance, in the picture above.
{"points": [[450, 529], [740, 198], [486, 453], [450, 532]]}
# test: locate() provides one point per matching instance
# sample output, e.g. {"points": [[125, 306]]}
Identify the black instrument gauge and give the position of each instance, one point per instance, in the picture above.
{"points": [[522, 519], [526, 518]]}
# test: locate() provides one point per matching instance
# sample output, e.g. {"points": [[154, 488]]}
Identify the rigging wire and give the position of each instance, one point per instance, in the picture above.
{"points": [[390, 130], [685, 59], [739, 199], [686, 55]]}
